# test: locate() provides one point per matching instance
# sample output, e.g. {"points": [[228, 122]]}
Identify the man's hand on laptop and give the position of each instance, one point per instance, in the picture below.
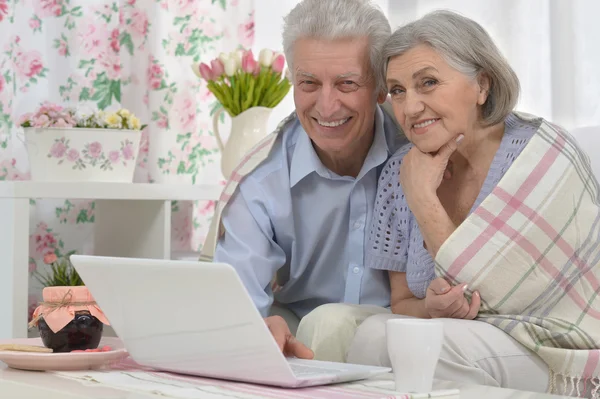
{"points": [[288, 344]]}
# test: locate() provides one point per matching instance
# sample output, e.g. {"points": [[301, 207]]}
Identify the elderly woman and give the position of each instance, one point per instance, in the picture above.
{"points": [[487, 213]]}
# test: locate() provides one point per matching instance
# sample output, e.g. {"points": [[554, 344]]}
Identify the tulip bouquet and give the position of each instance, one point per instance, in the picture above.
{"points": [[239, 81]]}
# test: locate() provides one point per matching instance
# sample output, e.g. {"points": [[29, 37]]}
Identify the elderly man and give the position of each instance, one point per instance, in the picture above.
{"points": [[300, 213]]}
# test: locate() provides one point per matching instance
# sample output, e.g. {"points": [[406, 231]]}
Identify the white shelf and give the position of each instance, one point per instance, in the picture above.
{"points": [[116, 191], [132, 220]]}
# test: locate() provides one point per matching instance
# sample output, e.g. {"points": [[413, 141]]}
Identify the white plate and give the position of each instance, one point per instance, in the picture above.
{"points": [[62, 361]]}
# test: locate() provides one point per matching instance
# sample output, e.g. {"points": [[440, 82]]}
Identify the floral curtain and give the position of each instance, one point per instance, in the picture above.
{"points": [[106, 54]]}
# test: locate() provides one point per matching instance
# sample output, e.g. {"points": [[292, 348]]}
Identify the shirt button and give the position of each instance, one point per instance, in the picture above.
{"points": [[356, 270], [357, 224]]}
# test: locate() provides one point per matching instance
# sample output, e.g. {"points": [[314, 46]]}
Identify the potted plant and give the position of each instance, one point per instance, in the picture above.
{"points": [[68, 319], [63, 145], [248, 90]]}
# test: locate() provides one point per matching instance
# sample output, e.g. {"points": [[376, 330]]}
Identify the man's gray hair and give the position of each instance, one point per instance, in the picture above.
{"points": [[468, 48], [339, 19]]}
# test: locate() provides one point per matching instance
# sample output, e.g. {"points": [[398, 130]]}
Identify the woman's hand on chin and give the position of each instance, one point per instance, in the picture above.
{"points": [[443, 300], [422, 173]]}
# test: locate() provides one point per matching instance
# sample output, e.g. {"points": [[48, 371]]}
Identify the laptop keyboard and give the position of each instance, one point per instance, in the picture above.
{"points": [[301, 370]]}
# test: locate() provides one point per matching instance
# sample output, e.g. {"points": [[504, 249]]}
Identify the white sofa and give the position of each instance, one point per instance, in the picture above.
{"points": [[589, 140]]}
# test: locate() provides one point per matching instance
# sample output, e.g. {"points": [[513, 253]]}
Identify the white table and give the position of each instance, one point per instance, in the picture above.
{"points": [[132, 220], [17, 384]]}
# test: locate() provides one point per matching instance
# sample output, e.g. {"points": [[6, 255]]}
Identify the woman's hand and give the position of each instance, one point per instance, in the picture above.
{"points": [[443, 300], [421, 173]]}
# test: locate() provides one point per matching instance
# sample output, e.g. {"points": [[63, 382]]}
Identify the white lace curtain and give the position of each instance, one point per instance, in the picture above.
{"points": [[552, 45]]}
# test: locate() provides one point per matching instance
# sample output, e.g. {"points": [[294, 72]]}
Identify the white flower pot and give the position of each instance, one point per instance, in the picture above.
{"points": [[81, 154]]}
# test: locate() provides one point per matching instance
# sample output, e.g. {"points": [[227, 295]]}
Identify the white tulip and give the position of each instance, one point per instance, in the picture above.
{"points": [[230, 66], [265, 57], [196, 69], [237, 56], [223, 57]]}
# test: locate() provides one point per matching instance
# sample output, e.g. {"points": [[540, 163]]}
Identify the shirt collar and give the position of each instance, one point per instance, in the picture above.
{"points": [[305, 159]]}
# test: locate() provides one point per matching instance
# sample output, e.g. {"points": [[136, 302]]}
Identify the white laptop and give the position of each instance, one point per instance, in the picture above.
{"points": [[197, 318]]}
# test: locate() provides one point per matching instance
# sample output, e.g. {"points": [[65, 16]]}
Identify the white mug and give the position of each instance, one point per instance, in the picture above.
{"points": [[414, 347]]}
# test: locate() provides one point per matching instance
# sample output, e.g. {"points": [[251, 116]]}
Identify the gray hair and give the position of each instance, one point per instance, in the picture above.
{"points": [[339, 19], [469, 49]]}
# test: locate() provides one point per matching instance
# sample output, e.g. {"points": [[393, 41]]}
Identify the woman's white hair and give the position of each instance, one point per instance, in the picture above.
{"points": [[469, 49], [339, 19]]}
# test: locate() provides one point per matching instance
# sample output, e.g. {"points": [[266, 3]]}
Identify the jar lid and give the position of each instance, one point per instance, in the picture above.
{"points": [[60, 304]]}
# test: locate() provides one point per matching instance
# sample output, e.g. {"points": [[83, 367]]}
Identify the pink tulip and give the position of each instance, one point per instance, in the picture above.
{"points": [[278, 63], [217, 68], [206, 72], [248, 62], [256, 69]]}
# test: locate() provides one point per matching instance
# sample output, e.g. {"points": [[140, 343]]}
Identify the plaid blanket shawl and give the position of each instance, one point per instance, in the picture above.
{"points": [[532, 248]]}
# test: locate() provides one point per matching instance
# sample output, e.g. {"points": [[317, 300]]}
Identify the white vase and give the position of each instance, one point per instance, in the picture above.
{"points": [[82, 154], [247, 129]]}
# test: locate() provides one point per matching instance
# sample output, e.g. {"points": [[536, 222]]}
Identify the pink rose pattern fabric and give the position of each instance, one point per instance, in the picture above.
{"points": [[105, 54]]}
